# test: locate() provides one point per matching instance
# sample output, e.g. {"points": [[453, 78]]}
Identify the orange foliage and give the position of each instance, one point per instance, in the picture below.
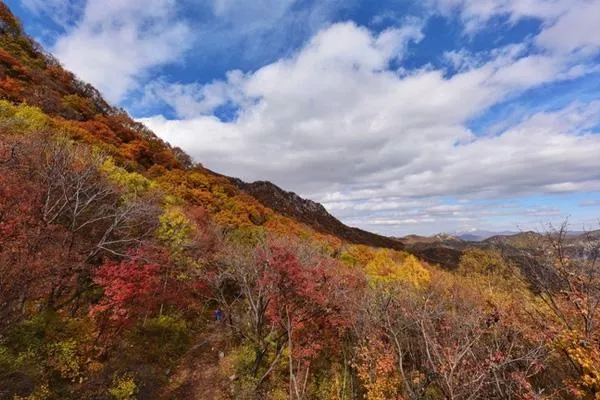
{"points": [[376, 369], [10, 88]]}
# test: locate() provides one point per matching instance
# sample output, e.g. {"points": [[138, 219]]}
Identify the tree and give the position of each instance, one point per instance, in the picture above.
{"points": [[306, 303], [32, 260], [130, 289], [569, 285], [447, 341], [33, 263], [70, 211], [236, 284]]}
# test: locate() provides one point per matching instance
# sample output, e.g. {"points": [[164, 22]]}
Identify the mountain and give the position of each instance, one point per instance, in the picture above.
{"points": [[312, 214], [127, 271], [517, 240], [479, 235], [441, 249], [28, 74]]}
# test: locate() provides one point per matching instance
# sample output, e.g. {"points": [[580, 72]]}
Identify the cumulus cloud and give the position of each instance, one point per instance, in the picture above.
{"points": [[61, 12], [335, 122], [567, 25], [115, 43], [335, 114]]}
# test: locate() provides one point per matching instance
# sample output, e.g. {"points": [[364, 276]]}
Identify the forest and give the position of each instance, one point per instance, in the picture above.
{"points": [[116, 250]]}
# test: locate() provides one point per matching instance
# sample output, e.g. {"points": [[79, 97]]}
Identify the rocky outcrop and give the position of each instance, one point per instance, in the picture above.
{"points": [[312, 214]]}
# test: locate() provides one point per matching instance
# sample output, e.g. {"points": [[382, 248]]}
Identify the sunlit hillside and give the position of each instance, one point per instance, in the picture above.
{"points": [[128, 271]]}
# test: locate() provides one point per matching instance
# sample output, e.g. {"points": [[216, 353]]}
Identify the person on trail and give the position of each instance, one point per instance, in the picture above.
{"points": [[218, 315]]}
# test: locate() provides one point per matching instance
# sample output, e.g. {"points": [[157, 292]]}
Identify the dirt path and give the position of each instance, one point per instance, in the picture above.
{"points": [[198, 377]]}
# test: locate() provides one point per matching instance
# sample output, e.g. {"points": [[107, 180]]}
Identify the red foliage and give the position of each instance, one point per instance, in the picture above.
{"points": [[100, 130], [34, 266], [7, 59], [10, 88], [130, 289], [308, 301]]}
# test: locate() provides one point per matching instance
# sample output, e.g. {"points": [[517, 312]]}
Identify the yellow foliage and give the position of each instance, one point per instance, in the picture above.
{"points": [[485, 262], [585, 354], [174, 230], [22, 118], [389, 266], [499, 279], [132, 182], [198, 180], [123, 388], [359, 255], [63, 358]]}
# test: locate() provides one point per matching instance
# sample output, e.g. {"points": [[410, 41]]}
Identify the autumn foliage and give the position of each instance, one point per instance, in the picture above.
{"points": [[130, 289], [115, 250]]}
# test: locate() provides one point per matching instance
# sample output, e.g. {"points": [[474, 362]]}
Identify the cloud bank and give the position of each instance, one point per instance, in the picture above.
{"points": [[345, 119], [337, 122]]}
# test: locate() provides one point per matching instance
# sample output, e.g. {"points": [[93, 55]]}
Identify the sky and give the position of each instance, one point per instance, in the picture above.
{"points": [[399, 116]]}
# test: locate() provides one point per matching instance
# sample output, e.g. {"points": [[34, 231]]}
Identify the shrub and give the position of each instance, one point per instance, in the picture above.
{"points": [[162, 339], [123, 388]]}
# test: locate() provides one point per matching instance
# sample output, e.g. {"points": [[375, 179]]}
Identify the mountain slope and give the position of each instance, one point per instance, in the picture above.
{"points": [[312, 214], [28, 74], [127, 272]]}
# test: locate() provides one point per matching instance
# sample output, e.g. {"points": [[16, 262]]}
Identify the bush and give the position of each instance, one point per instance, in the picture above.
{"points": [[123, 388], [46, 349], [162, 339], [23, 118]]}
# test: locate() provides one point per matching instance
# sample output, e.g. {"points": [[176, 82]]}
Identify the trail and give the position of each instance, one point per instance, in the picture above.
{"points": [[197, 377]]}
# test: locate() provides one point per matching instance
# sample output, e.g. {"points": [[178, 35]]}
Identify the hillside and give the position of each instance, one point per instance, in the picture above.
{"points": [[117, 198], [30, 75], [127, 271], [312, 214]]}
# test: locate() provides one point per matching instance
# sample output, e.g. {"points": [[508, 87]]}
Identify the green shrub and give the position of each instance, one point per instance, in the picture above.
{"points": [[162, 339], [46, 344], [123, 388], [22, 118]]}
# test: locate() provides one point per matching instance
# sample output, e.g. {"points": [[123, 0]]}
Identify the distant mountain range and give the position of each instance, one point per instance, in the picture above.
{"points": [[478, 235]]}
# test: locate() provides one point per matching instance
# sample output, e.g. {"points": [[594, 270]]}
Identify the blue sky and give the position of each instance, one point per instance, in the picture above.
{"points": [[400, 116]]}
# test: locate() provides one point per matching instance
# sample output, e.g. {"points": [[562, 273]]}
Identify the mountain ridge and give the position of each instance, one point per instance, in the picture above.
{"points": [[127, 271], [30, 74], [312, 213]]}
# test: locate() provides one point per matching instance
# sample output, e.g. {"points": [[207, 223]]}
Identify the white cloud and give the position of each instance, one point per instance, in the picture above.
{"points": [[428, 216], [335, 123], [567, 25], [115, 43], [60, 11], [476, 13], [576, 31], [335, 112], [189, 100]]}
